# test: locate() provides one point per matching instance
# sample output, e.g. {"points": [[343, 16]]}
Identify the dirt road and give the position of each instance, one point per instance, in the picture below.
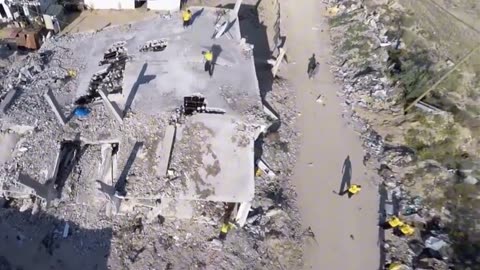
{"points": [[345, 229]]}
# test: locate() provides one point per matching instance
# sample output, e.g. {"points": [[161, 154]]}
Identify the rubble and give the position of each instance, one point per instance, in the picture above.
{"points": [[104, 183]]}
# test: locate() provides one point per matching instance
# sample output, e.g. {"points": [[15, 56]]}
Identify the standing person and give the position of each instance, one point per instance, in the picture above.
{"points": [[208, 56], [187, 18], [352, 190]]}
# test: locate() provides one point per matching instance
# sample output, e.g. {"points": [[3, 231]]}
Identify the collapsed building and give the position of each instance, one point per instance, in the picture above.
{"points": [[157, 132]]}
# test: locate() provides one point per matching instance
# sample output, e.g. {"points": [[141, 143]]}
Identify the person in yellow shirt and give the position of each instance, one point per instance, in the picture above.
{"points": [[187, 18], [352, 190], [208, 56], [226, 227]]}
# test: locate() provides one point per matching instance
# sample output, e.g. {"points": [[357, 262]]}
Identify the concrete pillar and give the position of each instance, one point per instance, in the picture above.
{"points": [[55, 107], [222, 29], [53, 173], [7, 100], [8, 12], [236, 8], [164, 150], [107, 163], [113, 111], [26, 10], [242, 213], [279, 60]]}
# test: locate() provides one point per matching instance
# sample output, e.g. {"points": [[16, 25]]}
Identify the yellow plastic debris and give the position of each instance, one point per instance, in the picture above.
{"points": [[354, 189], [407, 229], [72, 73], [333, 11], [395, 222], [395, 266], [258, 173]]}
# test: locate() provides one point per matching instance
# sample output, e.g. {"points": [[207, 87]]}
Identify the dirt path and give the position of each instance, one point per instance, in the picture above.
{"points": [[346, 229]]}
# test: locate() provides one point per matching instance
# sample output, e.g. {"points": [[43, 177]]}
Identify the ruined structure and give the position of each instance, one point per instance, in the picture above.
{"points": [[156, 130]]}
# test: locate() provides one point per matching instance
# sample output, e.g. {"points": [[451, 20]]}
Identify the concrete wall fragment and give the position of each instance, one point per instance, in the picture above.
{"points": [[108, 104], [55, 107], [7, 101], [164, 150]]}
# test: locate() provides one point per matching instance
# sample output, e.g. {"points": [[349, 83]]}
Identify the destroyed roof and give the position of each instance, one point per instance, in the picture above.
{"points": [[158, 81], [215, 158], [167, 78]]}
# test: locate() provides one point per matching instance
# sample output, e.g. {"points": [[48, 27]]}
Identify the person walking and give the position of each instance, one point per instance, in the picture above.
{"points": [[312, 68], [208, 56], [187, 18], [352, 190]]}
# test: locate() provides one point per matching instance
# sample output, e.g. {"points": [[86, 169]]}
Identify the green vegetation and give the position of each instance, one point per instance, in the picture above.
{"points": [[412, 70], [463, 203], [436, 137], [341, 19]]}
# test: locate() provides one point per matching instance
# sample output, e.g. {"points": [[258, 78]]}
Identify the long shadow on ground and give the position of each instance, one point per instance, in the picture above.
{"points": [[255, 33], [31, 242]]}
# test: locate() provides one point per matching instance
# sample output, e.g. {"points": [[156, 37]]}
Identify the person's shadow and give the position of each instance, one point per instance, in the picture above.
{"points": [[347, 175], [311, 64]]}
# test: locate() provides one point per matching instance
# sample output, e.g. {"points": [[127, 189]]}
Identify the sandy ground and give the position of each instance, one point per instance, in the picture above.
{"points": [[346, 229], [97, 19]]}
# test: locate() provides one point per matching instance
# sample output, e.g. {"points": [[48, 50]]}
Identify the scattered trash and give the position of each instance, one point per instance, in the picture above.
{"points": [[435, 243], [264, 168], [333, 11], [321, 99]]}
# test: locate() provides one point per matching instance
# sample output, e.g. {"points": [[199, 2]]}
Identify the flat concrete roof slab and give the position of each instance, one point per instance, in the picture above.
{"points": [[158, 81], [214, 155]]}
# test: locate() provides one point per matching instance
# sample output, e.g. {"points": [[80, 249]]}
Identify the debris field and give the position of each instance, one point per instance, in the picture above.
{"points": [[120, 152]]}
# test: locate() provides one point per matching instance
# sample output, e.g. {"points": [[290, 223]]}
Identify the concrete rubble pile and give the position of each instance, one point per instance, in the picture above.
{"points": [[92, 183], [362, 37]]}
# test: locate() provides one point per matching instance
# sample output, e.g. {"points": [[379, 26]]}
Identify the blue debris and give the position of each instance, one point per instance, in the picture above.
{"points": [[81, 112]]}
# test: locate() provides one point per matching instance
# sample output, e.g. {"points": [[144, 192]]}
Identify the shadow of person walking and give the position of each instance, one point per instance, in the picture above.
{"points": [[347, 175], [312, 62]]}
